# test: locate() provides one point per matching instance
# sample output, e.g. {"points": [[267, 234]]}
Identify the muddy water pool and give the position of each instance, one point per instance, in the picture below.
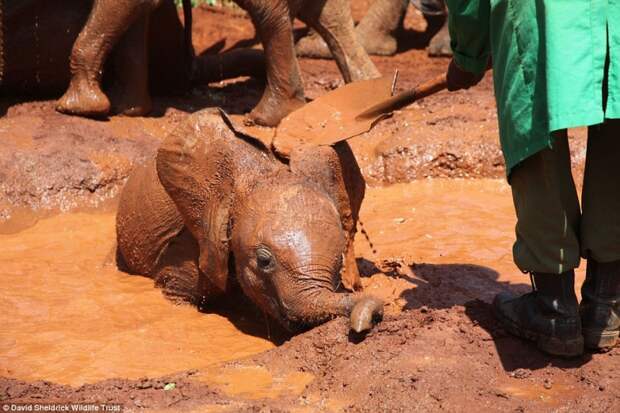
{"points": [[71, 317]]}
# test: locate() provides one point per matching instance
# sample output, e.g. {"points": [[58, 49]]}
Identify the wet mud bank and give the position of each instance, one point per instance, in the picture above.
{"points": [[52, 161], [37, 172]]}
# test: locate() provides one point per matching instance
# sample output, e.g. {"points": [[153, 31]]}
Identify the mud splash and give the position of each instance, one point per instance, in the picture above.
{"points": [[71, 319]]}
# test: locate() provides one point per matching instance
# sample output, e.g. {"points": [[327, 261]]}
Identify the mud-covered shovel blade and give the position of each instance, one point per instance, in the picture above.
{"points": [[333, 117]]}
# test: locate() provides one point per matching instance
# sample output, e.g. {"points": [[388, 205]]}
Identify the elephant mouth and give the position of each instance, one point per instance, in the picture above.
{"points": [[280, 313]]}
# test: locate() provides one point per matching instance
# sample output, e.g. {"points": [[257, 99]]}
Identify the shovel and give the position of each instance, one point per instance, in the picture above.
{"points": [[347, 112]]}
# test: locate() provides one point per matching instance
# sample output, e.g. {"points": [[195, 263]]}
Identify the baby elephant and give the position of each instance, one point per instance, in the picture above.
{"points": [[216, 203]]}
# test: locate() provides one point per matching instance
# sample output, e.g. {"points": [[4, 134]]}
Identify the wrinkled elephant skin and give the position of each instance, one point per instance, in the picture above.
{"points": [[273, 20], [215, 204], [124, 24]]}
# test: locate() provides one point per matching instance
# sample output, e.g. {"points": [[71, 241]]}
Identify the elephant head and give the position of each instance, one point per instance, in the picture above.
{"points": [[280, 232]]}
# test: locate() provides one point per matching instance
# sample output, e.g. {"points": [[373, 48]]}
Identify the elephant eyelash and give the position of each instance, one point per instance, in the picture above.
{"points": [[269, 260]]}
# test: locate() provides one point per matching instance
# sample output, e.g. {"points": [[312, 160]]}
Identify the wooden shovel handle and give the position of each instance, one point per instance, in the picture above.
{"points": [[407, 97]]}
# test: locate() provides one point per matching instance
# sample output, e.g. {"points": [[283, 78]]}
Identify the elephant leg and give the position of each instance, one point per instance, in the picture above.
{"points": [[130, 95], [333, 21], [337, 172], [313, 46], [178, 275], [440, 43], [107, 22], [284, 91], [376, 30], [436, 15]]}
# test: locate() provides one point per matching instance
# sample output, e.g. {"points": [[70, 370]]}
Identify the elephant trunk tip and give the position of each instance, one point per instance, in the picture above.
{"points": [[367, 312]]}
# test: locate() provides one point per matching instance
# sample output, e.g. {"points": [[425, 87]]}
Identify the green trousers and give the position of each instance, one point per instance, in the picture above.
{"points": [[552, 231]]}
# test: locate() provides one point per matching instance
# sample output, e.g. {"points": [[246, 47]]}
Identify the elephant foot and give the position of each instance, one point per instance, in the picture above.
{"points": [[378, 43], [269, 112], [440, 43], [313, 46], [375, 43], [84, 99]]}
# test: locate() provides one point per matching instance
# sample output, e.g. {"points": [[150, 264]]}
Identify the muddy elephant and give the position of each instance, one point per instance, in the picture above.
{"points": [[123, 24], [36, 43], [273, 20], [217, 207], [140, 31], [378, 29]]}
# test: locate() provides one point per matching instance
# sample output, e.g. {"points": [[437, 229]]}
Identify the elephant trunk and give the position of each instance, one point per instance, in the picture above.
{"points": [[364, 311]]}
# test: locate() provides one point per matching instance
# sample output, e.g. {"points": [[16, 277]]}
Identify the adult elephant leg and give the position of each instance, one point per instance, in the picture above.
{"points": [[130, 95], [436, 15], [440, 43], [376, 30], [333, 21], [107, 22], [313, 46], [284, 91]]}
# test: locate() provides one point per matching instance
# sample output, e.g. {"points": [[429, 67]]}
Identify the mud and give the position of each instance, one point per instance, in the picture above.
{"points": [[76, 329], [62, 269], [438, 347]]}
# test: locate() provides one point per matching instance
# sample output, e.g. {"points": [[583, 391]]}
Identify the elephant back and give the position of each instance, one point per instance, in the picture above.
{"points": [[147, 220]]}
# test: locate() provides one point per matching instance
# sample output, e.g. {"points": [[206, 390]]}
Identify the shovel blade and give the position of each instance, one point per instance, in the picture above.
{"points": [[333, 117]]}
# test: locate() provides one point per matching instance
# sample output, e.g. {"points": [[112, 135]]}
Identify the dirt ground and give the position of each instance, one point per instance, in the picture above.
{"points": [[75, 329]]}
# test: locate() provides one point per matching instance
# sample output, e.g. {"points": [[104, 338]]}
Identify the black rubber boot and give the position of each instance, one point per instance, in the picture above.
{"points": [[548, 315], [600, 305]]}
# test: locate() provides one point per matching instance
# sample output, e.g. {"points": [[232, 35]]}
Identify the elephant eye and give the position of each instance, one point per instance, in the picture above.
{"points": [[264, 259]]}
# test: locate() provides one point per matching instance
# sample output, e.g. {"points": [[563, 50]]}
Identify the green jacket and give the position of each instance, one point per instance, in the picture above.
{"points": [[548, 64]]}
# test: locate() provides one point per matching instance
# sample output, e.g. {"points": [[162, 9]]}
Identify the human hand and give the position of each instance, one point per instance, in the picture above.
{"points": [[461, 79]]}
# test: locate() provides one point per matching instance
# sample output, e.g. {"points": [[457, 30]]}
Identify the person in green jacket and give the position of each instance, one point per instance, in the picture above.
{"points": [[556, 65]]}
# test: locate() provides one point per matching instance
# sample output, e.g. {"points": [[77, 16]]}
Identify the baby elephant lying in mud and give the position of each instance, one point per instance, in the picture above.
{"points": [[215, 203]]}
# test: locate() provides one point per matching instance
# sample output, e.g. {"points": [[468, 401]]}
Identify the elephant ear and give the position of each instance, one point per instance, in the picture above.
{"points": [[195, 166], [335, 170]]}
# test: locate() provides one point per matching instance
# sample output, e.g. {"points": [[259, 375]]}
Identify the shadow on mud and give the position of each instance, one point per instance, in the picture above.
{"points": [[246, 317], [442, 286], [235, 97]]}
